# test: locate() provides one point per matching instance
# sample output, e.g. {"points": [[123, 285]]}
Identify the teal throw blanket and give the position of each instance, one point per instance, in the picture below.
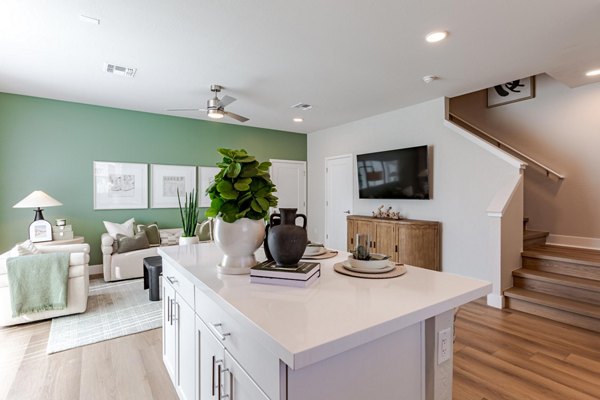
{"points": [[38, 282]]}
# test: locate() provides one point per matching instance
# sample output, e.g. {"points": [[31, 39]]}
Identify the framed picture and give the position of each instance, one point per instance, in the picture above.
{"points": [[510, 92], [167, 180], [40, 231], [120, 185], [206, 176]]}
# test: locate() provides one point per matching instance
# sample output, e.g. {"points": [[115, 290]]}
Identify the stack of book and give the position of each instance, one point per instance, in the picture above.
{"points": [[269, 273], [64, 232]]}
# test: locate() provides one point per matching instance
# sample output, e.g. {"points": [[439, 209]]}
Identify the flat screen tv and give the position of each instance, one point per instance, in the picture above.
{"points": [[394, 174]]}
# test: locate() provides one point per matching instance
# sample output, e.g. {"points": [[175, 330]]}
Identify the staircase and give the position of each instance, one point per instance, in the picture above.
{"points": [[558, 283]]}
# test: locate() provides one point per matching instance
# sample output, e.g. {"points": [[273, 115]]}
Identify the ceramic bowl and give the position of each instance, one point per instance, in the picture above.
{"points": [[377, 261], [313, 249]]}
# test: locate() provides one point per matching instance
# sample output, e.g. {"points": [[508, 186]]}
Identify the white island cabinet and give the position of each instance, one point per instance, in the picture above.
{"points": [[341, 338]]}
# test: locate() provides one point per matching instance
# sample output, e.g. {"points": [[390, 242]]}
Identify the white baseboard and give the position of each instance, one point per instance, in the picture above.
{"points": [[574, 241], [495, 300], [96, 269]]}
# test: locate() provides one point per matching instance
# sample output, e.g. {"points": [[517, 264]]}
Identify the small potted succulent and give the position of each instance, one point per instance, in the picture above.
{"points": [[241, 196], [189, 218]]}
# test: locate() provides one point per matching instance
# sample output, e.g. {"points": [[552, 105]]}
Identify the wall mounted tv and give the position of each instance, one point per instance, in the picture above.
{"points": [[394, 174]]}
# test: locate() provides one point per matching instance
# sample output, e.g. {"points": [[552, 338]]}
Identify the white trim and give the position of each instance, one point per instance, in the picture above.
{"points": [[510, 159], [574, 241], [495, 300], [95, 269], [504, 196]]}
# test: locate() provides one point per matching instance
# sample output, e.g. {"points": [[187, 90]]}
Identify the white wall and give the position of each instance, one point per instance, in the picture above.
{"points": [[559, 127], [465, 179]]}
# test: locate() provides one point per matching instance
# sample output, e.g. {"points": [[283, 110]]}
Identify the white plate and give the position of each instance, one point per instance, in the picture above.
{"points": [[322, 251], [369, 270]]}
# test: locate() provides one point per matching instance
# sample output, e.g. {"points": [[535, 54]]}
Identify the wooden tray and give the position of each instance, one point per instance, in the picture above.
{"points": [[399, 270]]}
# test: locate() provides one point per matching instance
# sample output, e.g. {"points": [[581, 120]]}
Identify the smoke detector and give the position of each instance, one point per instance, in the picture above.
{"points": [[430, 78], [119, 70], [302, 106]]}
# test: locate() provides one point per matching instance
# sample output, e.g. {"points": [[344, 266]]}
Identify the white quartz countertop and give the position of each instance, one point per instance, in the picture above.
{"points": [[336, 313]]}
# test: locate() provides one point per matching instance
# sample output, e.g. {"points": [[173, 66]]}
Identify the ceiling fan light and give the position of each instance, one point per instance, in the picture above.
{"points": [[216, 114]]}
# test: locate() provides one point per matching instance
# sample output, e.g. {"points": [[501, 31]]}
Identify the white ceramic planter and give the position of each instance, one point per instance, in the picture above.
{"points": [[239, 241], [184, 241]]}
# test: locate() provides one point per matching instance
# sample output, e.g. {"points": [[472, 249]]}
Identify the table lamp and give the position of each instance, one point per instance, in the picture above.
{"points": [[40, 230]]}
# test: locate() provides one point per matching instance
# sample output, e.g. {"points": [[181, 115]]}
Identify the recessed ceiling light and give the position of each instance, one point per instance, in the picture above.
{"points": [[298, 120], [594, 72], [433, 37]]}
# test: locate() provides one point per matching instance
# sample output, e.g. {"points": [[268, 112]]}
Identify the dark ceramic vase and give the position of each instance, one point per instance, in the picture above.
{"points": [[287, 241], [275, 220]]}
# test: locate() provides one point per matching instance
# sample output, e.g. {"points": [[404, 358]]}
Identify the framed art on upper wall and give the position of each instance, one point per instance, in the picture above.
{"points": [[206, 176], [510, 92], [167, 180], [120, 185]]}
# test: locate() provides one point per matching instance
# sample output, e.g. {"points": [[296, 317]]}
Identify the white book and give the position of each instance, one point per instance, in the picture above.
{"points": [[286, 282]]}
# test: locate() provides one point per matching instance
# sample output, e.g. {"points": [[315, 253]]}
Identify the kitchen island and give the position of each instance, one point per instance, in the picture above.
{"points": [[341, 338]]}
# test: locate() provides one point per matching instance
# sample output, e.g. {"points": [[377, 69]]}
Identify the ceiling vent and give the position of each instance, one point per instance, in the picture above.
{"points": [[119, 70], [302, 106]]}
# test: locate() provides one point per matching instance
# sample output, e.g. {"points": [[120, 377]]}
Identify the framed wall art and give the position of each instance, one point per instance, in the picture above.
{"points": [[120, 185], [40, 231], [167, 180], [510, 92], [206, 176]]}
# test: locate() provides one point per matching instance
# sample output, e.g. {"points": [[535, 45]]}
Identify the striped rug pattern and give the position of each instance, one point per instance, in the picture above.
{"points": [[114, 309]]}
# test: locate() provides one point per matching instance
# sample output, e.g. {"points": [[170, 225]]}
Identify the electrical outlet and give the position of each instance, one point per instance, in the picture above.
{"points": [[444, 345]]}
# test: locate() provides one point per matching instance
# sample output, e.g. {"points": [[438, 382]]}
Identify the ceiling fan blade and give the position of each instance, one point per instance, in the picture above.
{"points": [[235, 116], [226, 100], [185, 109]]}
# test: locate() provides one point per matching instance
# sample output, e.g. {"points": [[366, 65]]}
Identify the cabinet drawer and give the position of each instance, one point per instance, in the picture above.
{"points": [[234, 334], [183, 286]]}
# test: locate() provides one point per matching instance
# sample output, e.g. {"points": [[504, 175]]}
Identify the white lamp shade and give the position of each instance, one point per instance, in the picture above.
{"points": [[37, 199]]}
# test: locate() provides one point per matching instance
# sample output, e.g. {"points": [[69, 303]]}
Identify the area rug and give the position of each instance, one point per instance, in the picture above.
{"points": [[114, 309]]}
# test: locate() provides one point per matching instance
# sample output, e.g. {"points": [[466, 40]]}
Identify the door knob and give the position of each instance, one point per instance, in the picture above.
{"points": [[347, 212]]}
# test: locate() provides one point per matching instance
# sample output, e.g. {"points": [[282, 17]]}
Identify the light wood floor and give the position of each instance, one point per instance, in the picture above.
{"points": [[499, 354]]}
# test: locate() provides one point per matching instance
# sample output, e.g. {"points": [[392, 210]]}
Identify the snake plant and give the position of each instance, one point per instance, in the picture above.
{"points": [[189, 213]]}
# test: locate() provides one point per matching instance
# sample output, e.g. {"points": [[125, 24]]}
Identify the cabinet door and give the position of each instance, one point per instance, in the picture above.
{"points": [[385, 239], [169, 337], [419, 245], [209, 358], [366, 227], [186, 371], [238, 384], [351, 229]]}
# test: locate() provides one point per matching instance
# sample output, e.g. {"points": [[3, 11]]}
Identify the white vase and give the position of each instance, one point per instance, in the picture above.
{"points": [[186, 240], [238, 240]]}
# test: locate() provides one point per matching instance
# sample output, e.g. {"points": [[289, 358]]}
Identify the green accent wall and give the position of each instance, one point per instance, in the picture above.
{"points": [[50, 145]]}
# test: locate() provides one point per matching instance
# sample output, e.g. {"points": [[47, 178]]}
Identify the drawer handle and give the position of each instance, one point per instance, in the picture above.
{"points": [[220, 334], [172, 279], [214, 361]]}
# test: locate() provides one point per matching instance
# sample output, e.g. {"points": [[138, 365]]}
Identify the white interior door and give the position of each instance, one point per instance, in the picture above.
{"points": [[339, 184], [290, 179]]}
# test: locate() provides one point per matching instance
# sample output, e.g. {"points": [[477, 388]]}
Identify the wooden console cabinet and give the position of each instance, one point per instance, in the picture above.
{"points": [[407, 241]]}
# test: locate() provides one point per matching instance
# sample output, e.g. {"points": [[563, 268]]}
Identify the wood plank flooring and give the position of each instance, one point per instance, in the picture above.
{"points": [[498, 354]]}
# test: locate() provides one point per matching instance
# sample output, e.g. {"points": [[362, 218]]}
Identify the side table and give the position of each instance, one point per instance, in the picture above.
{"points": [[75, 240], [152, 272]]}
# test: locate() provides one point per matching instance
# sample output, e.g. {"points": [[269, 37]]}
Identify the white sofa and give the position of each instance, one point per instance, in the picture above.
{"points": [[78, 285], [118, 266]]}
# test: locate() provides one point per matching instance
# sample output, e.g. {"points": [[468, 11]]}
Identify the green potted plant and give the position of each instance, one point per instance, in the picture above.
{"points": [[189, 217], [241, 195]]}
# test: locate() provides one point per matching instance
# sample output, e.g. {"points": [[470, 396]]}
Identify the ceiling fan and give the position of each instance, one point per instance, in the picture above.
{"points": [[215, 107]]}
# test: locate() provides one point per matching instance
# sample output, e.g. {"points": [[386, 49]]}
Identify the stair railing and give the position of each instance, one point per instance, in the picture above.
{"points": [[550, 173]]}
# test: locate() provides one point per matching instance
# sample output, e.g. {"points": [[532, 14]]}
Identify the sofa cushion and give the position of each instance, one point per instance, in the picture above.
{"points": [[126, 244], [126, 228], [204, 230], [152, 233]]}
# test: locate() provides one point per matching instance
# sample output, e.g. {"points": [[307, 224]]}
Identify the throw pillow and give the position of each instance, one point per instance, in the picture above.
{"points": [[204, 230], [126, 228], [152, 233], [126, 244], [26, 248]]}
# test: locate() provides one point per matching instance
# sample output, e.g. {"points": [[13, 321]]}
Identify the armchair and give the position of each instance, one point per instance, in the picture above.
{"points": [[78, 285]]}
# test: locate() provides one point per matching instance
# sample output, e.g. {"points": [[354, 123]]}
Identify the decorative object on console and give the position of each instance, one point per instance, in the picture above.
{"points": [[510, 92], [168, 181], [241, 196], [62, 232], [189, 218], [40, 230], [61, 222], [379, 213], [287, 241], [120, 185]]}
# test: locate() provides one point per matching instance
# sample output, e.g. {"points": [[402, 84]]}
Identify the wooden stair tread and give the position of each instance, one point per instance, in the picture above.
{"points": [[576, 307], [534, 234], [565, 254], [559, 279]]}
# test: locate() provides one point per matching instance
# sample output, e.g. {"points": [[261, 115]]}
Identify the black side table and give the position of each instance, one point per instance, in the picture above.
{"points": [[152, 271]]}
